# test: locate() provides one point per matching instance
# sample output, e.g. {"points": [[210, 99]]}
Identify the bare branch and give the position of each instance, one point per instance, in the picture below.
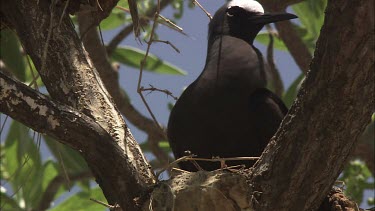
{"points": [[275, 75], [202, 8], [289, 35], [109, 76], [112, 45], [152, 89]]}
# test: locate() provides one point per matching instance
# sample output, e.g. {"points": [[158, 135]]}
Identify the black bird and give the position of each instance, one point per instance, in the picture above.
{"points": [[227, 111]]}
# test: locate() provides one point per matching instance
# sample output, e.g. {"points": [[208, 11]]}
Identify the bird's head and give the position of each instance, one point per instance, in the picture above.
{"points": [[243, 19]]}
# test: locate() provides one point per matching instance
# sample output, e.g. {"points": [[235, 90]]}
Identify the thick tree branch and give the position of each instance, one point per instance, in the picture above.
{"points": [[43, 115], [98, 55], [331, 111], [51, 41], [64, 123]]}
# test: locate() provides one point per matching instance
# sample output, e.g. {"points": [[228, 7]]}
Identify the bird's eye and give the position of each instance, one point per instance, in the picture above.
{"points": [[236, 11]]}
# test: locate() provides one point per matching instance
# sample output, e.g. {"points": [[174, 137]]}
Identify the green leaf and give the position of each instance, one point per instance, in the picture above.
{"points": [[356, 176], [6, 202], [170, 106], [72, 160], [50, 172], [31, 73], [132, 57], [291, 93], [178, 5], [263, 38], [81, 201], [114, 20], [311, 16], [164, 145], [22, 163], [11, 54]]}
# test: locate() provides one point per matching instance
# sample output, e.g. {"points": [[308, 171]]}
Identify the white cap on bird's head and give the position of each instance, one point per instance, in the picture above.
{"points": [[248, 5]]}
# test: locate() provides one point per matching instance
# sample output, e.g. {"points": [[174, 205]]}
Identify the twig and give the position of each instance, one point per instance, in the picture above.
{"points": [[179, 170], [50, 28], [171, 23], [289, 35], [143, 62], [275, 75], [135, 18], [152, 89], [109, 76], [184, 158], [100, 7], [178, 28], [204, 10], [115, 207], [168, 43], [35, 77], [63, 13], [222, 159], [112, 45]]}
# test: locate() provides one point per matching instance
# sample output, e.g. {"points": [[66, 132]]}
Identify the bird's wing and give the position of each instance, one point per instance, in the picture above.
{"points": [[268, 110]]}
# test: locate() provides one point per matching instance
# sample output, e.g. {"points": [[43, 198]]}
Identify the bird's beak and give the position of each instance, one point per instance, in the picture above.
{"points": [[271, 18]]}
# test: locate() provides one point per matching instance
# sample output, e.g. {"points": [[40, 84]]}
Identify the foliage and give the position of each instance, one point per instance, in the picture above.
{"points": [[357, 178]]}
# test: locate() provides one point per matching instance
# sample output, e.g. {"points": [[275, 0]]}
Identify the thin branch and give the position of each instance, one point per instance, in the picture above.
{"points": [[216, 159], [184, 158], [202, 8], [143, 62], [46, 45], [168, 43], [152, 89], [170, 25], [110, 78], [135, 19], [288, 34], [275, 75], [112, 45], [295, 45]]}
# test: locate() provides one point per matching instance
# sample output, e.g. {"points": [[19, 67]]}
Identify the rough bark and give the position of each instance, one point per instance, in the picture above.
{"points": [[49, 38], [109, 75], [335, 104]]}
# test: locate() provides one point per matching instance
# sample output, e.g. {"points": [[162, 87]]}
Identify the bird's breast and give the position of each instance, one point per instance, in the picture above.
{"points": [[234, 64]]}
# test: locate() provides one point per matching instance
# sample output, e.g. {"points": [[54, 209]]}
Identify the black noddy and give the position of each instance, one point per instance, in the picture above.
{"points": [[227, 111]]}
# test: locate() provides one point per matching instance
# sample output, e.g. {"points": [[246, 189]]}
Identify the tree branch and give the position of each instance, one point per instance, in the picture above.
{"points": [[273, 70], [71, 80], [288, 34], [112, 45], [64, 123], [332, 109], [98, 55]]}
